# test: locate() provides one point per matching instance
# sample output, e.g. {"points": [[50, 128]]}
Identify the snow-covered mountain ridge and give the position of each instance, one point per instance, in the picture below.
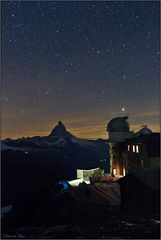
{"points": [[59, 137]]}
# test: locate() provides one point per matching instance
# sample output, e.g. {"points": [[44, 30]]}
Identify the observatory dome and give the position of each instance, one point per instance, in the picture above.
{"points": [[118, 124], [144, 131]]}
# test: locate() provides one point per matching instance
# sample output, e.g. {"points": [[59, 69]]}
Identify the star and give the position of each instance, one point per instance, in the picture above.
{"points": [[106, 56]]}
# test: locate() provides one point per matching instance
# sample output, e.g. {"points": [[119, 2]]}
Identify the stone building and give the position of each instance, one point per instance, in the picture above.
{"points": [[118, 130]]}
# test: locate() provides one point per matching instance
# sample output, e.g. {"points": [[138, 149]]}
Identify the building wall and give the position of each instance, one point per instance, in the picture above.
{"points": [[120, 136], [153, 162], [79, 173], [138, 158], [117, 160], [136, 154], [117, 149]]}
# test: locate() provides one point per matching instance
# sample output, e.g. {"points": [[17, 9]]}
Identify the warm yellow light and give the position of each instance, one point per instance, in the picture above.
{"points": [[137, 149]]}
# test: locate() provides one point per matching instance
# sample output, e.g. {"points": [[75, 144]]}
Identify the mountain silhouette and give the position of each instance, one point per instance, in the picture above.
{"points": [[60, 131]]}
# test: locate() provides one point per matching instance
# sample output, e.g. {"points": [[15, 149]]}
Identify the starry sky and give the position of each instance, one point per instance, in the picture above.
{"points": [[79, 62]]}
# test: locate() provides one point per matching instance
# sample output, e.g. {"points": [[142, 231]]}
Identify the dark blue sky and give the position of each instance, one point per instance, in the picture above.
{"points": [[79, 62]]}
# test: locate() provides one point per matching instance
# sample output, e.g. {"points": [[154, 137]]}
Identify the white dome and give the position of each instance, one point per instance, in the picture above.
{"points": [[118, 124]]}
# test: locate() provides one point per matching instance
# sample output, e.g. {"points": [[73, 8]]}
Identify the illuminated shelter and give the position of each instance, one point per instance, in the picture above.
{"points": [[118, 129], [84, 175]]}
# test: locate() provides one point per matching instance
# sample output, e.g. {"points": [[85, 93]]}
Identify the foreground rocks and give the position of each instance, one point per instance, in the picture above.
{"points": [[115, 228], [53, 214]]}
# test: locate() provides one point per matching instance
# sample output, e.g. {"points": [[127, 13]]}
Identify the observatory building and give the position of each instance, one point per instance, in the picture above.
{"points": [[119, 133]]}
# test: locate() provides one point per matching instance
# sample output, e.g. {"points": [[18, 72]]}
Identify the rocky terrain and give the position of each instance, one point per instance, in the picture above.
{"points": [[52, 213]]}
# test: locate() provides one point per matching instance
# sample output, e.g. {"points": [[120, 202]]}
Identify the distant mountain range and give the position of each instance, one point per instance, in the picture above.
{"points": [[33, 162], [58, 138]]}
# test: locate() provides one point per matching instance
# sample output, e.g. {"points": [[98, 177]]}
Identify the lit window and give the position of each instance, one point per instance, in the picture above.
{"points": [[128, 147], [114, 171], [137, 149], [124, 172], [133, 148]]}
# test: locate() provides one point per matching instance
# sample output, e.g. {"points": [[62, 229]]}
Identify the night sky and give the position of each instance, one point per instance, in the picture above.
{"points": [[79, 62]]}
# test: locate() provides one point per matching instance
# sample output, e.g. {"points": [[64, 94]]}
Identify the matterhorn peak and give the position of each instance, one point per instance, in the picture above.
{"points": [[61, 125], [59, 131]]}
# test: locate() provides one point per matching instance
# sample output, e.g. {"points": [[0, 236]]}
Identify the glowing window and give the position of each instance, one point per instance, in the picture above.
{"points": [[128, 147], [114, 171], [137, 149], [133, 148], [124, 172]]}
